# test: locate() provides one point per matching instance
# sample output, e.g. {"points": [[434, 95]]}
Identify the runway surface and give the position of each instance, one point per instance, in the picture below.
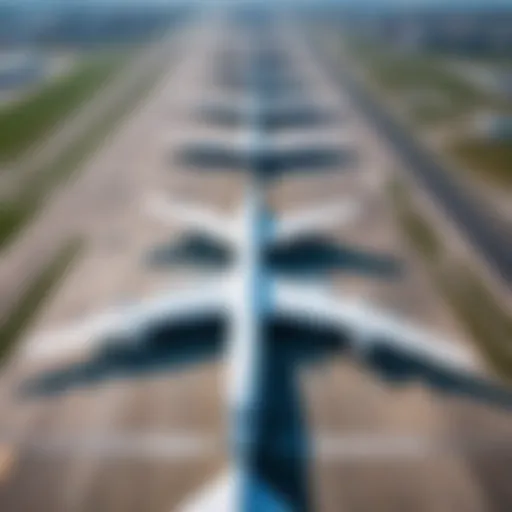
{"points": [[146, 433]]}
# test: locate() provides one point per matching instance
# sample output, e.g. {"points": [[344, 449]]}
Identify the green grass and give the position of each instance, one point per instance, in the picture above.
{"points": [[398, 74], [15, 214], [23, 124], [489, 159], [405, 72], [422, 235], [32, 300], [470, 299], [488, 323], [399, 70], [488, 59]]}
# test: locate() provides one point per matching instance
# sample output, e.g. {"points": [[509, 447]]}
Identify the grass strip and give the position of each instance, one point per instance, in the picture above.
{"points": [[24, 312], [487, 158], [415, 226], [430, 91], [15, 214], [23, 124], [489, 324]]}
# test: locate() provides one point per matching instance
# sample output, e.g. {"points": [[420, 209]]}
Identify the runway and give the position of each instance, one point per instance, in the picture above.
{"points": [[488, 234], [146, 430]]}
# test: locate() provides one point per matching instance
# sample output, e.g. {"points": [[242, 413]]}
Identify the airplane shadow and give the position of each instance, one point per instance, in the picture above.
{"points": [[263, 77], [190, 249], [300, 118], [397, 368], [283, 449], [267, 163], [292, 118], [317, 256], [282, 454], [161, 349], [263, 84]]}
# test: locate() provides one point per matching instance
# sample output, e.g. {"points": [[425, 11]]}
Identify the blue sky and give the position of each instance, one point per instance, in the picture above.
{"points": [[405, 3]]}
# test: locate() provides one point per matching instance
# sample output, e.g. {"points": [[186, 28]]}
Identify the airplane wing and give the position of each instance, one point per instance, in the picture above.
{"points": [[209, 155], [371, 328], [280, 116], [270, 158], [393, 348], [295, 117], [127, 323], [201, 220], [312, 220], [282, 160]]}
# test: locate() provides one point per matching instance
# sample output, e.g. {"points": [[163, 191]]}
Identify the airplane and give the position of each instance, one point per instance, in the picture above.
{"points": [[271, 158], [249, 296], [273, 115], [273, 82], [282, 108], [274, 76]]}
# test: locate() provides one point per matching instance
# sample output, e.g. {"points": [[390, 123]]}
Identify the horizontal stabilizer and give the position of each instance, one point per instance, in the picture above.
{"points": [[266, 157], [125, 323], [313, 220], [201, 220], [370, 327]]}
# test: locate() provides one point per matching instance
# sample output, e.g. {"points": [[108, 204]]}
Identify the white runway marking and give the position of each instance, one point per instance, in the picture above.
{"points": [[153, 446], [179, 446]]}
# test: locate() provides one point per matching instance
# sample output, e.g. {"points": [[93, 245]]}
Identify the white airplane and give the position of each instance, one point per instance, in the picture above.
{"points": [[271, 157], [273, 116], [269, 82], [249, 296]]}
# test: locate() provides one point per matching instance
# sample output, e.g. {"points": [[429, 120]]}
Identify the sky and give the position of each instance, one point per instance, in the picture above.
{"points": [[408, 3]]}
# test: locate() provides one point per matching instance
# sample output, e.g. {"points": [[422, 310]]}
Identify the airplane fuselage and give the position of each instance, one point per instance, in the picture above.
{"points": [[250, 296]]}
